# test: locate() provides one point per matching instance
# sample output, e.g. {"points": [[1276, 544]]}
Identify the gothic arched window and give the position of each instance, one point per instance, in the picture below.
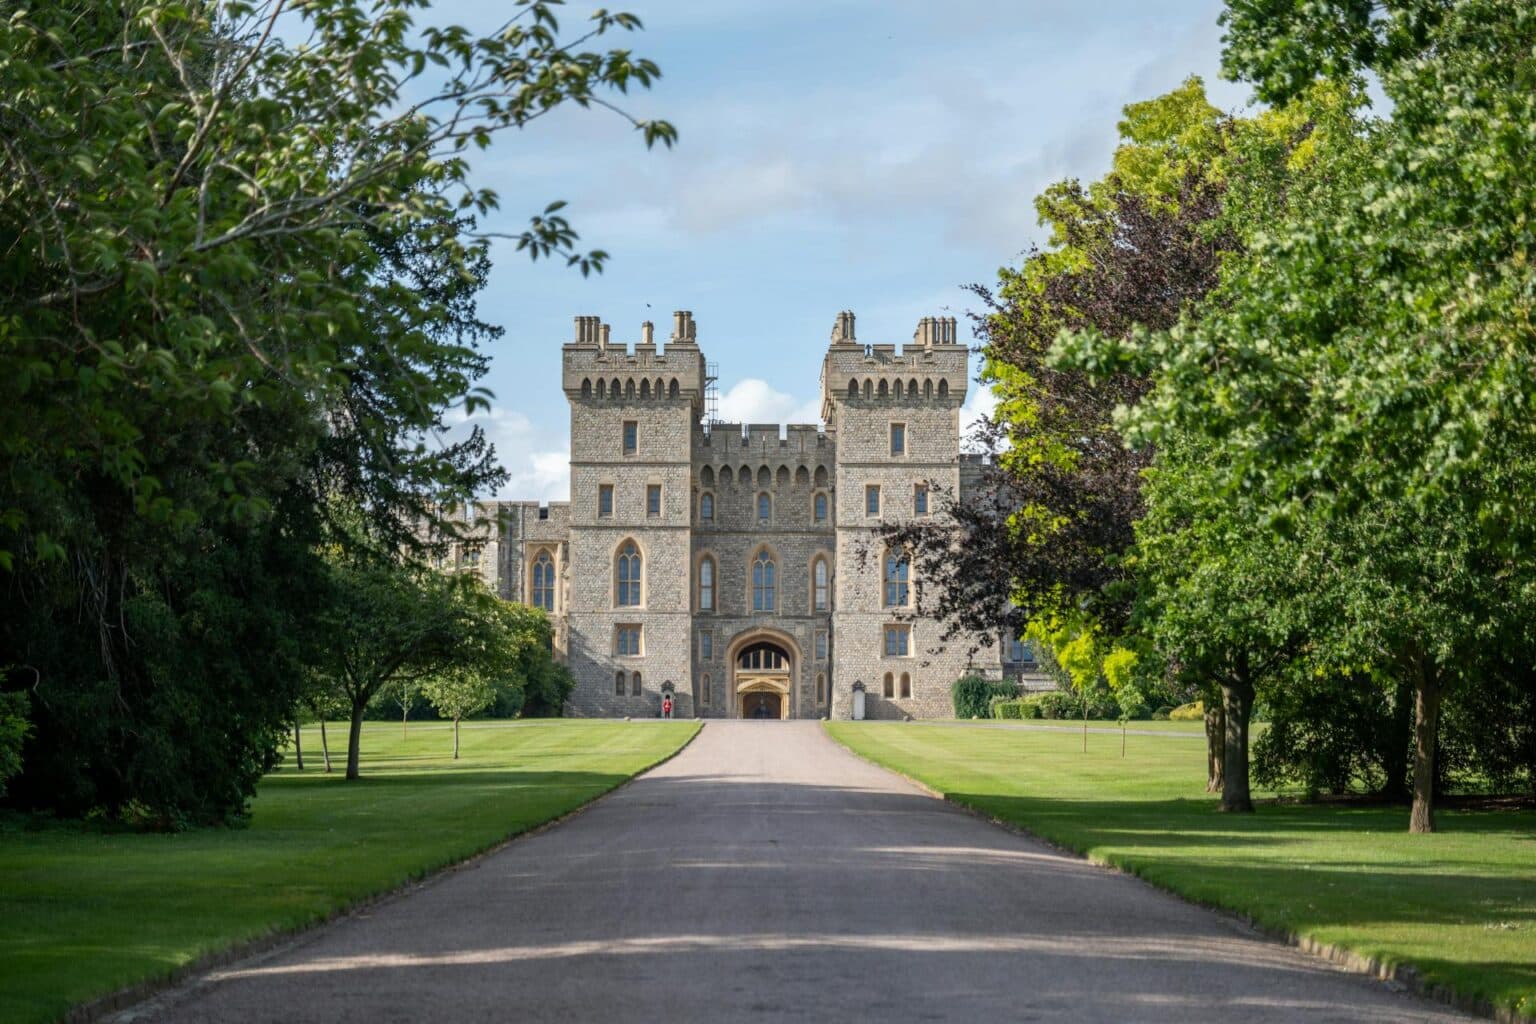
{"points": [[897, 580], [819, 508], [707, 585], [819, 574], [627, 576], [544, 582], [764, 507], [764, 589], [707, 507]]}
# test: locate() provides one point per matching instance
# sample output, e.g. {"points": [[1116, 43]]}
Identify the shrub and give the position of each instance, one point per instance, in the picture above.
{"points": [[972, 695], [1061, 704], [1014, 708], [14, 729], [1193, 712], [1056, 705], [1162, 714]]}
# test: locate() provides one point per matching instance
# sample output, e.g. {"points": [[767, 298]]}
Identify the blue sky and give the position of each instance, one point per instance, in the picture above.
{"points": [[833, 154]]}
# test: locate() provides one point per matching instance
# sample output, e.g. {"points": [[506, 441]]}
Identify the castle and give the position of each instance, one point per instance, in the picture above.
{"points": [[739, 569]]}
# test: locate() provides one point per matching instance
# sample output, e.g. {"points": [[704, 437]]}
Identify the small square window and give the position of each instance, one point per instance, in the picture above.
{"points": [[920, 499], [872, 499], [605, 500], [898, 641], [631, 437], [627, 641], [653, 500], [898, 439]]}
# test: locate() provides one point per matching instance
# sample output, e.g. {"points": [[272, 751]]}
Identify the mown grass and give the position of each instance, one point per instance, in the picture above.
{"points": [[1136, 725], [83, 913], [1459, 905]]}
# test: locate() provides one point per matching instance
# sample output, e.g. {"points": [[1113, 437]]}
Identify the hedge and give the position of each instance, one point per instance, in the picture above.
{"points": [[972, 695]]}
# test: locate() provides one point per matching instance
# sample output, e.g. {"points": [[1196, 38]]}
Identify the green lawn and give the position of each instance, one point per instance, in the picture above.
{"points": [[1459, 905], [1071, 724], [83, 913]]}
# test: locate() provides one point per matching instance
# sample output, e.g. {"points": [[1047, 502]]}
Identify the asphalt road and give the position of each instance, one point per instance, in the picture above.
{"points": [[765, 874]]}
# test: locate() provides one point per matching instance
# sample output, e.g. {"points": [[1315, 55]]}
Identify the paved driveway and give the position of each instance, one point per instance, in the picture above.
{"points": [[765, 874]]}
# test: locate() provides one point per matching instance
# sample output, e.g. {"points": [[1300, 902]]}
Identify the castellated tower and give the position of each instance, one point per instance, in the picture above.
{"points": [[632, 420], [896, 418]]}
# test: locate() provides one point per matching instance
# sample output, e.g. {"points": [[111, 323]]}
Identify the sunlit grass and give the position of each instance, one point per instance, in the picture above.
{"points": [[83, 913], [1459, 905]]}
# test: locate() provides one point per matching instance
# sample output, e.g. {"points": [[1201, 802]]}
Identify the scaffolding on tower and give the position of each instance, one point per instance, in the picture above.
{"points": [[711, 395]]}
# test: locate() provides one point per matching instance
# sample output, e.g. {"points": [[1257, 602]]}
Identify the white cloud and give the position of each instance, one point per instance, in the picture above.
{"points": [[537, 460], [753, 400], [541, 476], [979, 402]]}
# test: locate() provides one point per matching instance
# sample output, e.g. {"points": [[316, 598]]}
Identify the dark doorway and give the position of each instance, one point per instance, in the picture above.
{"points": [[760, 705]]}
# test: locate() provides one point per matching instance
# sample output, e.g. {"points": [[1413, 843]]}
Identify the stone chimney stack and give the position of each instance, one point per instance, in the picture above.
{"points": [[843, 329], [602, 335], [648, 333], [684, 330], [936, 330]]}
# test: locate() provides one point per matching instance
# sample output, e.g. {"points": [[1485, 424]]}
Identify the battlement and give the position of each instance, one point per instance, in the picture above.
{"points": [[932, 368], [594, 368], [761, 438]]}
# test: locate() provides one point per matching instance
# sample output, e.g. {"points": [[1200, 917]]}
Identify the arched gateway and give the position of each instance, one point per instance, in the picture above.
{"points": [[763, 666]]}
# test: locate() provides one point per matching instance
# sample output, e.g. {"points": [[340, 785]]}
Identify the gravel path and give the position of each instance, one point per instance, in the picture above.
{"points": [[765, 874]]}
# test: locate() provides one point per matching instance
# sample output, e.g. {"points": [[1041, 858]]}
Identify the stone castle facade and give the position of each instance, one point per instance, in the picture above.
{"points": [[739, 568]]}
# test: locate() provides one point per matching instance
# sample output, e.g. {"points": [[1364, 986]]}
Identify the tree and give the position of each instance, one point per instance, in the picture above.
{"points": [[238, 284], [458, 694], [394, 624], [1372, 354]]}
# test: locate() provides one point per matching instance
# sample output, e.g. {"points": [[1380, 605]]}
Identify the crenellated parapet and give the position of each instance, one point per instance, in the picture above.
{"points": [[596, 369], [933, 369]]}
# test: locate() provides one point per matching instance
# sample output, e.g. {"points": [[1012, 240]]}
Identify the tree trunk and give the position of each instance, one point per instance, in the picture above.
{"points": [[1426, 727], [1215, 740], [1236, 706], [405, 714], [325, 746], [455, 739], [354, 738], [298, 747]]}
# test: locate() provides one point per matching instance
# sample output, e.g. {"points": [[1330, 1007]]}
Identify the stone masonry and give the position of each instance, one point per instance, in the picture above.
{"points": [[738, 567]]}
